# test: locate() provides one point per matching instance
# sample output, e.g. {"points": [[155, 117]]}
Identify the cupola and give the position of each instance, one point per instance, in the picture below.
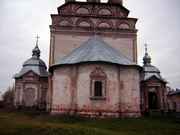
{"points": [[34, 64]]}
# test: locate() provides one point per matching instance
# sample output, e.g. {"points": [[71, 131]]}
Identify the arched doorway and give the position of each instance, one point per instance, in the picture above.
{"points": [[153, 100]]}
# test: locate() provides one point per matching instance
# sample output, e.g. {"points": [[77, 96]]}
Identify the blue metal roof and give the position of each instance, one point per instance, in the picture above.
{"points": [[151, 71], [35, 65]]}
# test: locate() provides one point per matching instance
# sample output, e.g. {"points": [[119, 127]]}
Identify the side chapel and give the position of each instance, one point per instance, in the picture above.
{"points": [[93, 68], [31, 83]]}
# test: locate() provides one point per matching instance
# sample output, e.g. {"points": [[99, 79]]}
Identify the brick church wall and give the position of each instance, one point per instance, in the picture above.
{"points": [[122, 91]]}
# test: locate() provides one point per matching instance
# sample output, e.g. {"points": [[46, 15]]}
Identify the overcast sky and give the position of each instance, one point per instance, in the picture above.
{"points": [[21, 20]]}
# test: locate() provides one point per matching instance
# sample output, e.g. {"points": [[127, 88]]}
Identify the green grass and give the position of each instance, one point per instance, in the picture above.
{"points": [[19, 123]]}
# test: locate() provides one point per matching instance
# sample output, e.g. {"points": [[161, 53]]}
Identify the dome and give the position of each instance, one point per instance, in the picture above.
{"points": [[151, 71], [150, 68], [34, 61], [34, 64]]}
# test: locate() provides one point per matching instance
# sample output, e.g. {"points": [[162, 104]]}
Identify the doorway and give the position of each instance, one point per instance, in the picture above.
{"points": [[153, 100], [29, 97]]}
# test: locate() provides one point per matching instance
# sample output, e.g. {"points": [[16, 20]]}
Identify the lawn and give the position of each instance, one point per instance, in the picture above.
{"points": [[20, 123]]}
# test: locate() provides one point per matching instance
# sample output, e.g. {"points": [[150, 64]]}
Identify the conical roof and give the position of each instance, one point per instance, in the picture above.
{"points": [[94, 50]]}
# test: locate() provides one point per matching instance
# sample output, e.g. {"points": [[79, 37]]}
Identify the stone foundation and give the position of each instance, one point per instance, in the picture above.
{"points": [[95, 113]]}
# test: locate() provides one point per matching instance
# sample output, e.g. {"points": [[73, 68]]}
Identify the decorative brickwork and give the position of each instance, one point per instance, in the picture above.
{"points": [[93, 88]]}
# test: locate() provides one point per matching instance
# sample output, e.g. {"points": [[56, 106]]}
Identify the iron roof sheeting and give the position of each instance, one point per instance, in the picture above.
{"points": [[35, 65], [35, 61], [151, 71], [150, 68]]}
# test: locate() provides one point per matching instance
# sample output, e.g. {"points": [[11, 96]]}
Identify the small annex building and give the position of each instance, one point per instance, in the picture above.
{"points": [[31, 83], [153, 87]]}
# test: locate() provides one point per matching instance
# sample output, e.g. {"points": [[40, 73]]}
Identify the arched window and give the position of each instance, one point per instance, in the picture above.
{"points": [[98, 84], [98, 89]]}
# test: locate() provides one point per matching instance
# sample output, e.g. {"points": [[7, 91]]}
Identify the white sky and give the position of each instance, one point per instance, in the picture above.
{"points": [[21, 20]]}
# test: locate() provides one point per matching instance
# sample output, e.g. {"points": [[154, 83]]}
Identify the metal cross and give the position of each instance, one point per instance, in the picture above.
{"points": [[146, 47], [37, 39]]}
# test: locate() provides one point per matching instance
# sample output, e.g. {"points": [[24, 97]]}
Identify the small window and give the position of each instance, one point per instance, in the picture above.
{"points": [[98, 84], [98, 89]]}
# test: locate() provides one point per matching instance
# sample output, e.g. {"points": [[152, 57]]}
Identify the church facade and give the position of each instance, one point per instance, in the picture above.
{"points": [[93, 68], [93, 60]]}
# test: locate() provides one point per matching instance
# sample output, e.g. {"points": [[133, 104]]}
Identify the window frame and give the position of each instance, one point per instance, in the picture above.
{"points": [[98, 75], [98, 88]]}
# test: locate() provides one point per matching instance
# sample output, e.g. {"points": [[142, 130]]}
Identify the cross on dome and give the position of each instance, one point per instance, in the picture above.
{"points": [[146, 58], [37, 40], [36, 51], [146, 50]]}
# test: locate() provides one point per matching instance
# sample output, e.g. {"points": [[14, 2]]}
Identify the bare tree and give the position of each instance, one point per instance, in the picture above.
{"points": [[8, 97]]}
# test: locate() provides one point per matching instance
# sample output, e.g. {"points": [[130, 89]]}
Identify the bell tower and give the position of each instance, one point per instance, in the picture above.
{"points": [[77, 21]]}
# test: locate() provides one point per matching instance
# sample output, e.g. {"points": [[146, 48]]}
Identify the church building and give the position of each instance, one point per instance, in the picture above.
{"points": [[93, 68], [153, 87], [31, 83]]}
